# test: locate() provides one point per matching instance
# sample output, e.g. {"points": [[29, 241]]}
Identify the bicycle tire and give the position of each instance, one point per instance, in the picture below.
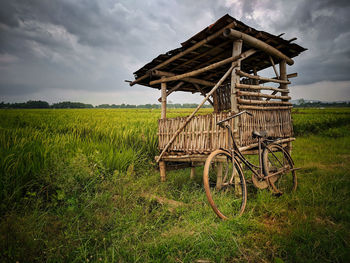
{"points": [[230, 199], [276, 158]]}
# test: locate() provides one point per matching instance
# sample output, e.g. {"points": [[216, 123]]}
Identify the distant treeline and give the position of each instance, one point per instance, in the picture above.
{"points": [[320, 104], [38, 104]]}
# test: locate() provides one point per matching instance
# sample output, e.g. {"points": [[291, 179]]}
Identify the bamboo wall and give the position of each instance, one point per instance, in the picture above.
{"points": [[202, 135]]}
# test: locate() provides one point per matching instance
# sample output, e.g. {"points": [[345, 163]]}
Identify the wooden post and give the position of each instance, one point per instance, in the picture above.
{"points": [[193, 172], [237, 49], [162, 166], [255, 81], [219, 167], [215, 102], [283, 76], [163, 93], [235, 79], [162, 170]]}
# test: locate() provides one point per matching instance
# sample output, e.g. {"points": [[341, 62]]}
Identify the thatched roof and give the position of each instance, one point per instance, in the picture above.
{"points": [[217, 49]]}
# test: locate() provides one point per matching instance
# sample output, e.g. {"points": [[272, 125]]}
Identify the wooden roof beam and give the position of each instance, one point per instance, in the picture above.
{"points": [[188, 50], [160, 73], [201, 55], [256, 43], [210, 67]]}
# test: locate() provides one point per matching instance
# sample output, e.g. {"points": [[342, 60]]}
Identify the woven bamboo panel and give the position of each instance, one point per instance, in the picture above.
{"points": [[202, 135], [223, 98], [277, 123]]}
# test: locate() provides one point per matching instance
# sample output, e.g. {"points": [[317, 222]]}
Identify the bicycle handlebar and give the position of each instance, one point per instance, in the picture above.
{"points": [[234, 116]]}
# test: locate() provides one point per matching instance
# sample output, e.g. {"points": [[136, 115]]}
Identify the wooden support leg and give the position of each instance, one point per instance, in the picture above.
{"points": [[193, 172], [219, 175], [289, 147], [238, 189], [162, 170]]}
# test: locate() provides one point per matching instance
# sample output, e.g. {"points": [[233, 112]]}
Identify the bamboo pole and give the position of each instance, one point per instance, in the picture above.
{"points": [[172, 90], [243, 74], [236, 51], [190, 49], [289, 76], [235, 79], [256, 43], [263, 102], [283, 72], [257, 87], [210, 67], [191, 80], [194, 112], [162, 165], [203, 93], [274, 67], [257, 94], [163, 92]]}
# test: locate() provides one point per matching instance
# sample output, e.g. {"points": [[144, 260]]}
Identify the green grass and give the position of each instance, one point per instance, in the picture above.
{"points": [[75, 186]]}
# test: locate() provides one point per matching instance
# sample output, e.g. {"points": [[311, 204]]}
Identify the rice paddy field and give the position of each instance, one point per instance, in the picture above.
{"points": [[80, 186]]}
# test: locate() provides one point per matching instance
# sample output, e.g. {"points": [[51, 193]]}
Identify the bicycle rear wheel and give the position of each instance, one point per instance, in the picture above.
{"points": [[224, 186], [277, 160]]}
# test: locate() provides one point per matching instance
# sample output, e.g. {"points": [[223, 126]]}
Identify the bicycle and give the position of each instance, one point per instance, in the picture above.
{"points": [[223, 173]]}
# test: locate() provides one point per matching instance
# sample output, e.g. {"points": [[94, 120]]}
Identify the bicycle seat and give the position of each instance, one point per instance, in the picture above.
{"points": [[259, 134]]}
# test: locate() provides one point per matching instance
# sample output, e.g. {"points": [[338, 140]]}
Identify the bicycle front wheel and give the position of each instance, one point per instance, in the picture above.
{"points": [[278, 166], [224, 185]]}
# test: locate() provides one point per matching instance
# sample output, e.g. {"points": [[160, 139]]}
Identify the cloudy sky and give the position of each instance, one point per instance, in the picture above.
{"points": [[83, 50]]}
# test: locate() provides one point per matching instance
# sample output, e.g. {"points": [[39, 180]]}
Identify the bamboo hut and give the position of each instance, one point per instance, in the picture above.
{"points": [[222, 62]]}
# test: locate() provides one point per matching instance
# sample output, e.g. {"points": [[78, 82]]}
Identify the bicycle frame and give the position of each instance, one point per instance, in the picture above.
{"points": [[236, 153]]}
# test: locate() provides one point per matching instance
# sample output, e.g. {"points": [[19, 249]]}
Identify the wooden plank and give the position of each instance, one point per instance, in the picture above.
{"points": [[188, 50], [244, 74], [256, 43], [201, 70]]}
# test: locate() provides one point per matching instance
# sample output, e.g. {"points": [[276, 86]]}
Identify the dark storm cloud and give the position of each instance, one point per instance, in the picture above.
{"points": [[92, 46], [322, 27]]}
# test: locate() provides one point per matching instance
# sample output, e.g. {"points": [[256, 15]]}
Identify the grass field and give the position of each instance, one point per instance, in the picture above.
{"points": [[74, 187]]}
